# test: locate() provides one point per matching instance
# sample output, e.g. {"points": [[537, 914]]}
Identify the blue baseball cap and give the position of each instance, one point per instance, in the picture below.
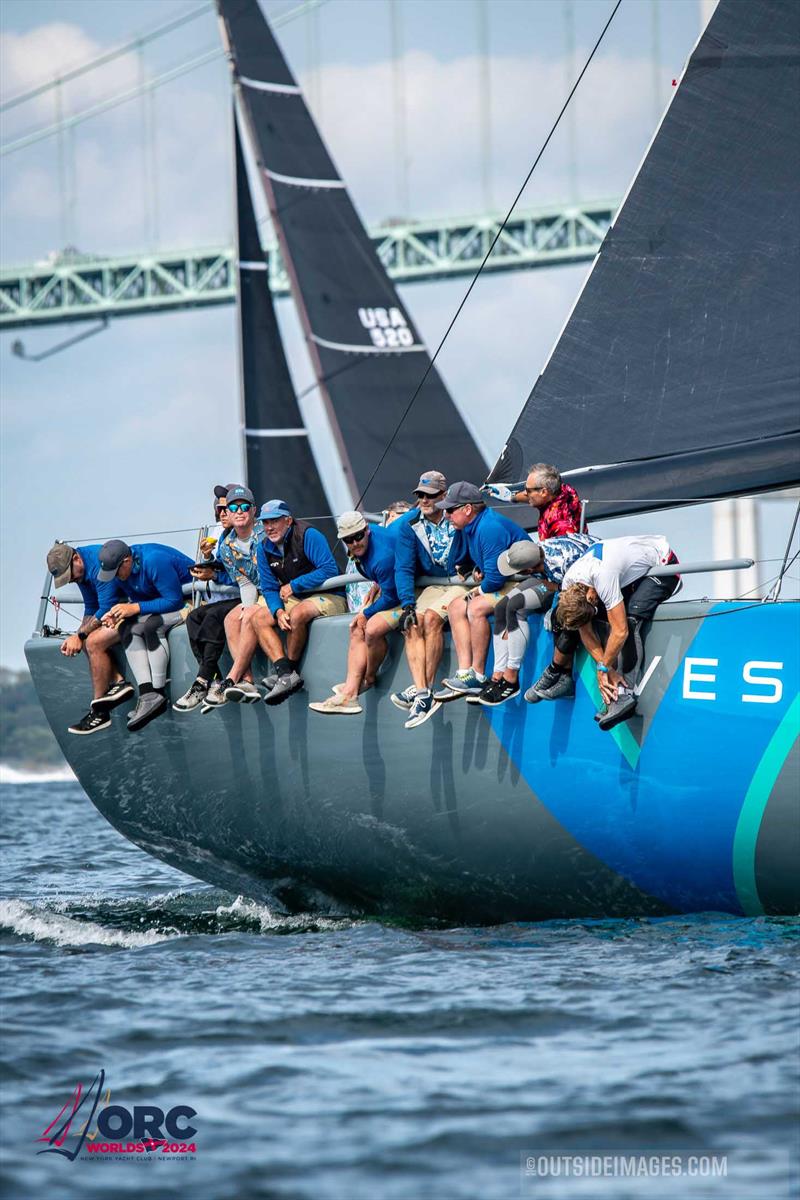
{"points": [[272, 509]]}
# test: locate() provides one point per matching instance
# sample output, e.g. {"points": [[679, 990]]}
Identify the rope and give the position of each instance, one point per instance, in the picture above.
{"points": [[486, 257]]}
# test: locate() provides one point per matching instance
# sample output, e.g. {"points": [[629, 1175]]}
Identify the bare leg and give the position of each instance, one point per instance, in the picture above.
{"points": [[459, 627], [242, 643], [434, 644], [301, 616], [356, 664], [262, 626], [376, 633], [478, 612], [415, 653], [102, 666]]}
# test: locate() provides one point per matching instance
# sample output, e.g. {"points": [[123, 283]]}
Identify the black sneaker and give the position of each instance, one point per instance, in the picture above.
{"points": [[118, 693], [93, 722], [500, 691]]}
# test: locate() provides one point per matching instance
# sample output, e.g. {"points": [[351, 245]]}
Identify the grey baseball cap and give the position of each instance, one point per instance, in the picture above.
{"points": [[240, 492], [111, 555], [461, 493], [520, 557], [59, 563]]}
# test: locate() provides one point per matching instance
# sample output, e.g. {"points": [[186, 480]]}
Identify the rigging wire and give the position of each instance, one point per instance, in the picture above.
{"points": [[487, 256]]}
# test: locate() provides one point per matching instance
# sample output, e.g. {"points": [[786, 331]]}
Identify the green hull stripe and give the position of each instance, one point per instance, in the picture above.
{"points": [[621, 734], [755, 802]]}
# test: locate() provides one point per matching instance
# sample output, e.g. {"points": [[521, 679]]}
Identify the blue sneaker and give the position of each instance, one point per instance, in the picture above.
{"points": [[404, 699]]}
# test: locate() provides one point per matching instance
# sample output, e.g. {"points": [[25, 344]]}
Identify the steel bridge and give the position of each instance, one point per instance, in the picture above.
{"points": [[85, 287]]}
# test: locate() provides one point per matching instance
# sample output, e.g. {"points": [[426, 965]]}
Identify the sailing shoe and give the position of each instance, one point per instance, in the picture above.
{"points": [[465, 683], [191, 699], [150, 706], [93, 722], [337, 705], [404, 699], [619, 710], [286, 686], [242, 692], [476, 699], [424, 706], [116, 694], [563, 687], [270, 680], [215, 696], [501, 691]]}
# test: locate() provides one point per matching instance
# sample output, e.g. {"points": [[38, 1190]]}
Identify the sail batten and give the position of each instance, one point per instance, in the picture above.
{"points": [[346, 303], [680, 361]]}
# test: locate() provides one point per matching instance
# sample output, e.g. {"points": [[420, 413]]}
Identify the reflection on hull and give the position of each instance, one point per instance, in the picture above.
{"points": [[520, 812]]}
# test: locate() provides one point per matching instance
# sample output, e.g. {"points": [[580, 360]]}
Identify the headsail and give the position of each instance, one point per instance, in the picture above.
{"points": [[366, 352], [279, 457], [679, 368]]}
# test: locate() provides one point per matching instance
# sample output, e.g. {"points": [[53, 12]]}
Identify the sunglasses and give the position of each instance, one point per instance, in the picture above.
{"points": [[240, 506], [220, 508], [354, 537], [428, 496], [453, 509]]}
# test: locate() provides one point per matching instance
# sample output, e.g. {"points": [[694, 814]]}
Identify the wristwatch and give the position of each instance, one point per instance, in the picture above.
{"points": [[602, 667], [83, 636]]}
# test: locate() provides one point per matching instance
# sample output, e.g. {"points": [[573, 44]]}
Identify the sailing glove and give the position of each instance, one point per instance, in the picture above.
{"points": [[409, 617]]}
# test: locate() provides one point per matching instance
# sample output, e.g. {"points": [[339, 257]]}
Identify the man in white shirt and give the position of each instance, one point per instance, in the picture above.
{"points": [[611, 581]]}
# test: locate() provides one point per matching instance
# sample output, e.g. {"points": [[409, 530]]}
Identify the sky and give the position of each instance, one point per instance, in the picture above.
{"points": [[124, 433]]}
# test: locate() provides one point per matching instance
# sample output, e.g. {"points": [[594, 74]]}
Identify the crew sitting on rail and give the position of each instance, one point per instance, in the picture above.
{"points": [[152, 578], [109, 687], [546, 563], [237, 550], [609, 581], [373, 551], [558, 503], [484, 535], [205, 624], [294, 561], [427, 544]]}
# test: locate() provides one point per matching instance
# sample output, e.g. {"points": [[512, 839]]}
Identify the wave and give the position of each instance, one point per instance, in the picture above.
{"points": [[9, 774], [134, 922]]}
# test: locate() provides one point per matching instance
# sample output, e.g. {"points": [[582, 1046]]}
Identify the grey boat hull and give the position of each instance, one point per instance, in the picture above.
{"points": [[522, 812]]}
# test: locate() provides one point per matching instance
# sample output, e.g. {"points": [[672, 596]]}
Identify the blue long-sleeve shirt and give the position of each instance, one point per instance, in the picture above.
{"points": [[156, 579], [484, 539], [378, 565], [90, 587], [316, 550], [413, 556]]}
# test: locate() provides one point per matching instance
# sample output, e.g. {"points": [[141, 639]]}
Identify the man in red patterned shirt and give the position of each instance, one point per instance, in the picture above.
{"points": [[558, 503]]}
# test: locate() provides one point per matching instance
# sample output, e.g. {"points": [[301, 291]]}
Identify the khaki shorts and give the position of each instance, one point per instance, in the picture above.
{"points": [[494, 598], [328, 605], [438, 597]]}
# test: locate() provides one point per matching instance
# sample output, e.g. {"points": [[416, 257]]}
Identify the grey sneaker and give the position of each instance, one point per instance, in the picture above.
{"points": [[149, 706], [619, 710], [467, 684], [215, 696], [193, 698], [242, 692], [560, 690], [270, 680], [423, 708], [286, 686], [404, 699]]}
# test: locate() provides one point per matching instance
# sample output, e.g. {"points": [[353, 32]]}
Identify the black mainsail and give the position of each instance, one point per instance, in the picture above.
{"points": [[279, 458], [677, 375], [367, 354]]}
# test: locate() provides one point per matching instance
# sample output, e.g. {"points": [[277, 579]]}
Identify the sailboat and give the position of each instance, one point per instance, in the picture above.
{"points": [[674, 380]]}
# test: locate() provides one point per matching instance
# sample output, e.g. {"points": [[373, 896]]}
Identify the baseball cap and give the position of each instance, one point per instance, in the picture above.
{"points": [[461, 493], [431, 483], [272, 509], [519, 557], [221, 489], [111, 555], [59, 563], [349, 523], [239, 492]]}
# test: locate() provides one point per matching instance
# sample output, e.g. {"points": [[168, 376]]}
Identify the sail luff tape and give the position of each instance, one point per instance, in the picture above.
{"points": [[277, 433], [347, 349], [261, 85], [297, 181], [252, 266]]}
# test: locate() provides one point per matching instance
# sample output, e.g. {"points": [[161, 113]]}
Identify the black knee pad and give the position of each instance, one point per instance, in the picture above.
{"points": [[567, 641], [149, 629], [516, 602], [501, 615]]}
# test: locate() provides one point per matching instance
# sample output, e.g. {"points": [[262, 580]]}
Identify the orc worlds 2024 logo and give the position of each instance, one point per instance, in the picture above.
{"points": [[95, 1126]]}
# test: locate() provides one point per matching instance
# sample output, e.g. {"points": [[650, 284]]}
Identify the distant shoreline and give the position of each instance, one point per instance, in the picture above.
{"points": [[16, 773]]}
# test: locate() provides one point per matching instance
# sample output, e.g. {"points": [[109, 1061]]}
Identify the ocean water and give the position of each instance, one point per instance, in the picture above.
{"points": [[330, 1057]]}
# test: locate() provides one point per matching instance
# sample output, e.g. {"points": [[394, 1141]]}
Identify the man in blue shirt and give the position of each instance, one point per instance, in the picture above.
{"points": [[373, 551], [294, 561], [486, 534], [109, 687], [427, 544], [152, 578]]}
